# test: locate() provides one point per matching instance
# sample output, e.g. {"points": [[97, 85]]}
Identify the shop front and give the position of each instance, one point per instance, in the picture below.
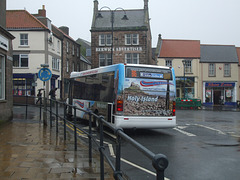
{"points": [[219, 93], [185, 86]]}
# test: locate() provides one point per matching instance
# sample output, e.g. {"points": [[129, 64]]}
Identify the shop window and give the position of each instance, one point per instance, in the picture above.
{"points": [[20, 60], [211, 70], [228, 95], [24, 39], [208, 96], [2, 77], [23, 87], [105, 59], [227, 70], [132, 58]]}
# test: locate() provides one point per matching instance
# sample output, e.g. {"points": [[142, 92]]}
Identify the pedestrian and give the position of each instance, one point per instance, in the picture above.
{"points": [[52, 94], [39, 95]]}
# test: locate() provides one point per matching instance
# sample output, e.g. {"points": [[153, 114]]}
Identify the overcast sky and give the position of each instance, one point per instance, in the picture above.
{"points": [[210, 21]]}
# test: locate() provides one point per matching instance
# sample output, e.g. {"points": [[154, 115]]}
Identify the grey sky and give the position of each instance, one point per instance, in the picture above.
{"points": [[210, 21]]}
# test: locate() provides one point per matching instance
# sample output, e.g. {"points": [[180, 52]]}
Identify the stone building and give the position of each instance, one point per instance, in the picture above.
{"points": [[6, 97], [121, 36]]}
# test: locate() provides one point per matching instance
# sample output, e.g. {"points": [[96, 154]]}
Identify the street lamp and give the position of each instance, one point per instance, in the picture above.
{"points": [[184, 64], [112, 22]]}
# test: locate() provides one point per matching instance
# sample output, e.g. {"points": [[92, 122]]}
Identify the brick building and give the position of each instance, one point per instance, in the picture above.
{"points": [[130, 32], [6, 97]]}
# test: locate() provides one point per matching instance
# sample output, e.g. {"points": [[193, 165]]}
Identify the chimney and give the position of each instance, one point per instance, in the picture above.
{"points": [[3, 13], [145, 4], [65, 29], [95, 10], [42, 12]]}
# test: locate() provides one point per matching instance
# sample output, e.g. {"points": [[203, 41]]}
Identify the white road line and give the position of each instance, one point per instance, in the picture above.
{"points": [[184, 132], [220, 132]]}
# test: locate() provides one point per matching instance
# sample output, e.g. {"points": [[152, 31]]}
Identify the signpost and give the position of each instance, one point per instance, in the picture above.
{"points": [[44, 75]]}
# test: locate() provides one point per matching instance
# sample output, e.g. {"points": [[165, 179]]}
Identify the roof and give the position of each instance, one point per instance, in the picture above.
{"points": [[84, 59], [218, 54], [136, 18], [22, 19], [238, 53], [180, 48], [55, 28]]}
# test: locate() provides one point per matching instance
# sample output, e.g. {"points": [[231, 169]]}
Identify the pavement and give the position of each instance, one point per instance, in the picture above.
{"points": [[28, 150]]}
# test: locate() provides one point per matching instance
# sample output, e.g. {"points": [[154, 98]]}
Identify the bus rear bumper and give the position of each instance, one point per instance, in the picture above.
{"points": [[144, 122]]}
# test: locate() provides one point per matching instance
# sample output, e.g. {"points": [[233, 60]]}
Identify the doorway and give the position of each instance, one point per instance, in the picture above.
{"points": [[217, 97]]}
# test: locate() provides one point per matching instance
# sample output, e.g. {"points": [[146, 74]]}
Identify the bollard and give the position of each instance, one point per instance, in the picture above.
{"points": [[118, 155]]}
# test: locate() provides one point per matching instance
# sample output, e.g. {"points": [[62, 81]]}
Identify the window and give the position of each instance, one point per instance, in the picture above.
{"points": [[73, 48], [67, 66], [24, 39], [20, 60], [2, 77], [105, 59], [73, 67], [188, 66], [77, 51], [211, 70], [67, 47], [58, 46], [227, 70], [105, 40], [55, 63], [132, 58], [168, 63], [131, 39]]}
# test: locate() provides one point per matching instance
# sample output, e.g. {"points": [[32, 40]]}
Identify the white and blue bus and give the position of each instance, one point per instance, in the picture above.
{"points": [[127, 95]]}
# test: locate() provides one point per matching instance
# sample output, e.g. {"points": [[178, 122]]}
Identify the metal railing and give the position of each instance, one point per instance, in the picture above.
{"points": [[159, 161]]}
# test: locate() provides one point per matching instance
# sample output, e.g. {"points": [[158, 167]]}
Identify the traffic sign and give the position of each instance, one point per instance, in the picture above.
{"points": [[44, 74]]}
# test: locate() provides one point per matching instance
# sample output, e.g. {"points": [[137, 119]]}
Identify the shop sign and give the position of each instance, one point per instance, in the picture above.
{"points": [[220, 84], [125, 49]]}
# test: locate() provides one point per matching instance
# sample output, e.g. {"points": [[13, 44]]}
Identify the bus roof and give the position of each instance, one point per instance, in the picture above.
{"points": [[111, 68]]}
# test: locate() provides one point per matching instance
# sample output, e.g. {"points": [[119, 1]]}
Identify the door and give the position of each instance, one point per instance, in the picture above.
{"points": [[217, 97]]}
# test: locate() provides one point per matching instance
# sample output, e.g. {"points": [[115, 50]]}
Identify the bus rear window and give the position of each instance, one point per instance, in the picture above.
{"points": [[149, 73]]}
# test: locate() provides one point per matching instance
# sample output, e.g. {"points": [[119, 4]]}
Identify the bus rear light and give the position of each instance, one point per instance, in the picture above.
{"points": [[174, 108], [126, 118], [119, 105], [170, 119]]}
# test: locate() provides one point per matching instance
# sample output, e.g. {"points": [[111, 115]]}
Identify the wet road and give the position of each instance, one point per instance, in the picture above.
{"points": [[204, 146]]}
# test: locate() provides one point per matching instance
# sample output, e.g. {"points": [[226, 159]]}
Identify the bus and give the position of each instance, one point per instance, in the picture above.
{"points": [[126, 95]]}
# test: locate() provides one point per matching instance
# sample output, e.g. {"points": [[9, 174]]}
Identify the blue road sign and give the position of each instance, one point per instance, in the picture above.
{"points": [[44, 74]]}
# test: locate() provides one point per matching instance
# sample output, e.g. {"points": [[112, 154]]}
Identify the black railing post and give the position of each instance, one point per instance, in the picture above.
{"points": [[26, 106], [75, 128], [160, 163], [40, 109], [118, 155], [101, 148], [56, 116], [64, 120], [51, 113], [90, 138]]}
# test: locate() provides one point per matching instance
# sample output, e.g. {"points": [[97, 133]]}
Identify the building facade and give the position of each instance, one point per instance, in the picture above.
{"points": [[184, 57], [32, 47], [6, 98], [120, 36], [219, 69]]}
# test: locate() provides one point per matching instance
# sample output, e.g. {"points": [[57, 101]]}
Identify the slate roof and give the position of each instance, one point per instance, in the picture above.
{"points": [[238, 53], [136, 20], [22, 19], [218, 54], [179, 49]]}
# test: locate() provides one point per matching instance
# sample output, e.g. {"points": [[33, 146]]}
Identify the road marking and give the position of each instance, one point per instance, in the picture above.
{"points": [[184, 132], [220, 132]]}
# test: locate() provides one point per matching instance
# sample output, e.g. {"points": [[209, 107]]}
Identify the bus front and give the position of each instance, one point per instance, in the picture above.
{"points": [[147, 98]]}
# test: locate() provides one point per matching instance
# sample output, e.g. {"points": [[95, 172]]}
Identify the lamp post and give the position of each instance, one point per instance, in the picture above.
{"points": [[184, 64], [112, 22]]}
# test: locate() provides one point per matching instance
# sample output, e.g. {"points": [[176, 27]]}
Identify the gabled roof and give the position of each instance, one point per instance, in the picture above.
{"points": [[180, 49], [218, 54], [238, 53], [136, 20], [22, 19]]}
